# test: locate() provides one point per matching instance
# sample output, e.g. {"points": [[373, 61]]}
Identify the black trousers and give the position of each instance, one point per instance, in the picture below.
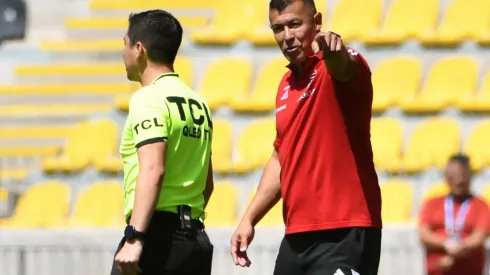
{"points": [[345, 251], [168, 250]]}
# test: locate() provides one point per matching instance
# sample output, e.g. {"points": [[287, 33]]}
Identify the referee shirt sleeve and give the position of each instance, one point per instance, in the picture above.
{"points": [[149, 119]]}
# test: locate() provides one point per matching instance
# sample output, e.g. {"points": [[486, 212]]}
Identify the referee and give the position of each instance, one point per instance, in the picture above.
{"points": [[166, 149]]}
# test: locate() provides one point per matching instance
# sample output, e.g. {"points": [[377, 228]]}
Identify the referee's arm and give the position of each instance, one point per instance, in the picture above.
{"points": [[149, 122], [208, 190]]}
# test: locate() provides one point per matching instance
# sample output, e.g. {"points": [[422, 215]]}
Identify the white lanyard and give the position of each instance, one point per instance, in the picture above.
{"points": [[455, 228]]}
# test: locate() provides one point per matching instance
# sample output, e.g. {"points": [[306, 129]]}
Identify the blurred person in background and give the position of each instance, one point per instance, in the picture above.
{"points": [[322, 162], [166, 151], [454, 227]]}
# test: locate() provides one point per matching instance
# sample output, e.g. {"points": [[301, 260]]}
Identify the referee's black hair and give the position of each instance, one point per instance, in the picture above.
{"points": [[461, 159], [159, 32], [281, 5]]}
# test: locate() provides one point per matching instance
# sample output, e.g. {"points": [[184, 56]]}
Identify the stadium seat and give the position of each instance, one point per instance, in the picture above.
{"points": [[35, 131], [42, 205], [431, 144], [113, 5], [440, 90], [13, 174], [78, 151], [222, 146], [399, 24], [225, 79], [273, 218], [397, 196], [453, 29], [227, 25], [105, 146], [479, 101], [476, 145], [254, 146], [83, 45], [222, 209], [263, 95], [486, 193], [387, 148], [68, 88], [54, 110], [28, 151], [106, 23], [99, 205], [438, 189], [395, 79], [367, 15]]}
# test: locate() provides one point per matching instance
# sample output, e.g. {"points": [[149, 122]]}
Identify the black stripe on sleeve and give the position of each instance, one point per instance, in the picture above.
{"points": [[151, 140]]}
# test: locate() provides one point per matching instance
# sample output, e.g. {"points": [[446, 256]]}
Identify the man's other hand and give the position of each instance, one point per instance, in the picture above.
{"points": [[240, 241], [128, 257], [446, 263]]}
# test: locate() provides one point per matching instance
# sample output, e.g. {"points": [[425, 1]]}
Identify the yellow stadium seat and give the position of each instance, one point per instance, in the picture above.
{"points": [[112, 5], [42, 205], [476, 145], [394, 80], [397, 198], [28, 151], [479, 101], [225, 79], [399, 24], [184, 67], [387, 148], [121, 102], [227, 24], [263, 95], [222, 209], [273, 218], [105, 143], [222, 146], [438, 189], [78, 151], [56, 109], [431, 144], [486, 193], [366, 13], [105, 23], [85, 45], [463, 20], [99, 205], [37, 131], [68, 88], [440, 90], [254, 146], [14, 174]]}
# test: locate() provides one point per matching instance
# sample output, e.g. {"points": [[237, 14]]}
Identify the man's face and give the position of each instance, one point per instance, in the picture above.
{"points": [[458, 178], [130, 56], [294, 29]]}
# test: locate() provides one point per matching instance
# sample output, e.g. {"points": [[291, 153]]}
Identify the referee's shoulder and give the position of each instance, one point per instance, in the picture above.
{"points": [[141, 95]]}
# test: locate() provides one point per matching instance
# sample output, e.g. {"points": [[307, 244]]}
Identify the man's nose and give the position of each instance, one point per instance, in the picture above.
{"points": [[288, 34]]}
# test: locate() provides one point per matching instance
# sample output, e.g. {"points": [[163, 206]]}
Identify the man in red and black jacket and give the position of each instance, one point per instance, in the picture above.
{"points": [[322, 162]]}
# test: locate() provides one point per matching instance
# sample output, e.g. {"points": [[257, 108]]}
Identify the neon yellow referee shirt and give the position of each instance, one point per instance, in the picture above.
{"points": [[169, 110]]}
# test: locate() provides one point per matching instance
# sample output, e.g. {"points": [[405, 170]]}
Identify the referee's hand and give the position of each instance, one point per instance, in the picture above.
{"points": [[240, 241], [128, 257], [329, 42]]}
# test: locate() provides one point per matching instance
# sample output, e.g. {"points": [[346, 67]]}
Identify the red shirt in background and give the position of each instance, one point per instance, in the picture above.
{"points": [[478, 217], [323, 139]]}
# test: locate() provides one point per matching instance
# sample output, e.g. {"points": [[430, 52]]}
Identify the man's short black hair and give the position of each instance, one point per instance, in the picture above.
{"points": [[159, 32], [281, 5], [461, 159]]}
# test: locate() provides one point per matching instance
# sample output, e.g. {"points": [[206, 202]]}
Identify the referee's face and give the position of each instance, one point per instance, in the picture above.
{"points": [[294, 29], [130, 57]]}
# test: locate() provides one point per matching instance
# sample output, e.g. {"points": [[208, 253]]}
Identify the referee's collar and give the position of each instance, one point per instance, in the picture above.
{"points": [[310, 61], [163, 75]]}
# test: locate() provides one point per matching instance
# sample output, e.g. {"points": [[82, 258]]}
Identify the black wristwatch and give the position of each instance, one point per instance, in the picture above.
{"points": [[130, 233]]}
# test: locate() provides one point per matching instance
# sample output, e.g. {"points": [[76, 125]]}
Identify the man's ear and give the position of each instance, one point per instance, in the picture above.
{"points": [[318, 20], [140, 50]]}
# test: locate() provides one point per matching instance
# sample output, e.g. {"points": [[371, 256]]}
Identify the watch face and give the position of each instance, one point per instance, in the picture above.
{"points": [[129, 232]]}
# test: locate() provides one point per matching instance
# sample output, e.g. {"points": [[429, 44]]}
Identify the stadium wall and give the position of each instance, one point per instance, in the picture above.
{"points": [[90, 252]]}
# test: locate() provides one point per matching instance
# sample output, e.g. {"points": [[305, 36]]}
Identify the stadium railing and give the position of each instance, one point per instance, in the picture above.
{"points": [[90, 252]]}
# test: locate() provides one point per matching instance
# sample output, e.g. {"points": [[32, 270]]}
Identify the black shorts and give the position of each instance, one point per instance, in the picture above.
{"points": [[167, 250], [348, 251]]}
